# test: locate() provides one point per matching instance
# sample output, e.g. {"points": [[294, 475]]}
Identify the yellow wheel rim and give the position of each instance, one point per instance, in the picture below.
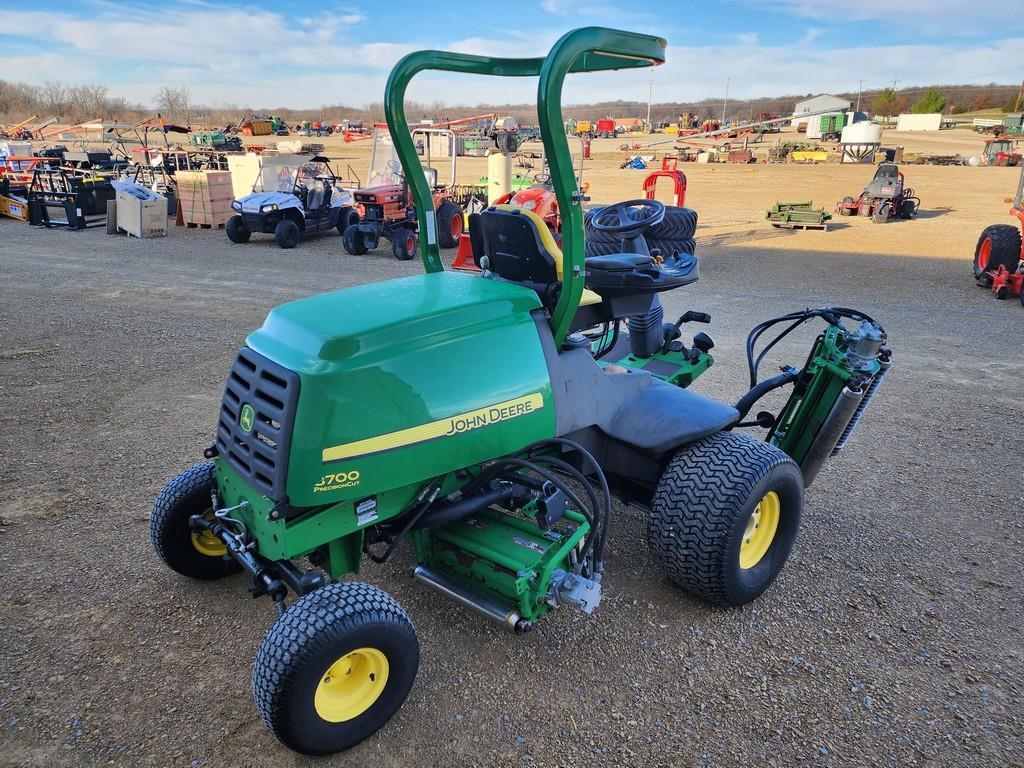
{"points": [[351, 685], [206, 543], [760, 530]]}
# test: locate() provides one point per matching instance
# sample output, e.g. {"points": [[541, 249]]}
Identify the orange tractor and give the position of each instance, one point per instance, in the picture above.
{"points": [[999, 253], [387, 206]]}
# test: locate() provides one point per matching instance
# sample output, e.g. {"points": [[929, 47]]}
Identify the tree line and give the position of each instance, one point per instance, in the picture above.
{"points": [[78, 103]]}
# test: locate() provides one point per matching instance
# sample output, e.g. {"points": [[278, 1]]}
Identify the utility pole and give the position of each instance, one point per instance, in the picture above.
{"points": [[860, 88], [726, 102], [650, 91]]}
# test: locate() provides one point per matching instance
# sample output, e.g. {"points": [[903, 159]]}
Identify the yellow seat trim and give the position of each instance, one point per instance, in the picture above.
{"points": [[548, 241]]}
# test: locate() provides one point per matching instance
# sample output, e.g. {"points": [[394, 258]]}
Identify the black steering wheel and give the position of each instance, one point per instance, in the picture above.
{"points": [[633, 217]]}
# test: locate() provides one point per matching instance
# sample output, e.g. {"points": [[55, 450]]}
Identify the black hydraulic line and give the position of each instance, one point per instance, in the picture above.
{"points": [[425, 499], [589, 515], [611, 345], [461, 508], [759, 390], [606, 521]]}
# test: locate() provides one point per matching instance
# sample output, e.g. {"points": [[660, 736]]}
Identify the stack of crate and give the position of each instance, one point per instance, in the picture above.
{"points": [[204, 197]]}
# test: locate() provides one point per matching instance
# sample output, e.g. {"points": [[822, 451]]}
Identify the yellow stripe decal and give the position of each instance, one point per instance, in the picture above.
{"points": [[453, 425]]}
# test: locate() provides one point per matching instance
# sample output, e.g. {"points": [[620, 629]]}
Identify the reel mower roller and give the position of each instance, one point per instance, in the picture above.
{"points": [[490, 418]]}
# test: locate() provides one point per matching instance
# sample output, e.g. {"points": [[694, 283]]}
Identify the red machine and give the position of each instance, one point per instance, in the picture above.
{"points": [[605, 129], [669, 171], [1000, 251], [540, 199], [885, 197]]}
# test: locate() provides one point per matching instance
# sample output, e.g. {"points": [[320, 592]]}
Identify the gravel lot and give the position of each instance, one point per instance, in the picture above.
{"points": [[893, 638]]}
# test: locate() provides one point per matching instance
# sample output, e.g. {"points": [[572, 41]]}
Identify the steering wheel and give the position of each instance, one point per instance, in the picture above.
{"points": [[633, 216]]}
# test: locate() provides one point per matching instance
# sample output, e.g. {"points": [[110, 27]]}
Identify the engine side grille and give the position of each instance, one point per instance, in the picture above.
{"points": [[254, 432]]}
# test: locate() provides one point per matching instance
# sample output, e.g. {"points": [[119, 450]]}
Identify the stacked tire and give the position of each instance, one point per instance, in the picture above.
{"points": [[672, 236]]}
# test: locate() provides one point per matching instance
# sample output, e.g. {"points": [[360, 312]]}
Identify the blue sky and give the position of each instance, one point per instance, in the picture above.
{"points": [[307, 54]]}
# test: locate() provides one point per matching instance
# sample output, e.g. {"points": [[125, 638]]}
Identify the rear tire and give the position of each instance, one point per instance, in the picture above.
{"points": [[404, 245], [679, 224], [998, 245], [237, 231], [287, 233], [198, 556], [353, 241], [347, 217], [359, 634], [668, 247], [707, 503], [449, 224]]}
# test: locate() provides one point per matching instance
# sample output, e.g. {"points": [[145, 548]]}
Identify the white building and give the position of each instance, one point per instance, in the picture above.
{"points": [[927, 122], [820, 103]]}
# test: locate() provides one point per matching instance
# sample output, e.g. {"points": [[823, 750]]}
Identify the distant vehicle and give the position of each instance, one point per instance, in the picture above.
{"points": [[292, 200]]}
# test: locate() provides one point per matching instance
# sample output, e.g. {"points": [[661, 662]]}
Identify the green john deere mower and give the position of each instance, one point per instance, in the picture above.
{"points": [[489, 418]]}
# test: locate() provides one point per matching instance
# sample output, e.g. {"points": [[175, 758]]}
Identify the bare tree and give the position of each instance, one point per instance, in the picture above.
{"points": [[54, 97], [174, 102]]}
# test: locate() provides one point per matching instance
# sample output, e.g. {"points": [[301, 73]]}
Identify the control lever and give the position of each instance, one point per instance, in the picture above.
{"points": [[672, 332], [703, 342]]}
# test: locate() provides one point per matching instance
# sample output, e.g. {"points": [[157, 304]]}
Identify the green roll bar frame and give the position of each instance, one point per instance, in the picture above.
{"points": [[590, 49]]}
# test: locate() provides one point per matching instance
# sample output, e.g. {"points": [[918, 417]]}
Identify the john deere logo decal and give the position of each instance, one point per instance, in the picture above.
{"points": [[246, 418]]}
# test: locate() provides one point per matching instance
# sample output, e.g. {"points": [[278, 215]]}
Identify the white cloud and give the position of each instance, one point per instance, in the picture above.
{"points": [[909, 14], [229, 55]]}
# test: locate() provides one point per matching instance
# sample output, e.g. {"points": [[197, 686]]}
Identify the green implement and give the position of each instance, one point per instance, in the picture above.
{"points": [[798, 215]]}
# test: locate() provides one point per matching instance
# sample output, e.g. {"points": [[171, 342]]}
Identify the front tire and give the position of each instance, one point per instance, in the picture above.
{"points": [[999, 245], [287, 233], [724, 517], [196, 555], [404, 245], [335, 668], [353, 241], [237, 231]]}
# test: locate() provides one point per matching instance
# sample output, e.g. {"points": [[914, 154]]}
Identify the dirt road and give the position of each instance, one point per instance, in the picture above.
{"points": [[895, 636]]}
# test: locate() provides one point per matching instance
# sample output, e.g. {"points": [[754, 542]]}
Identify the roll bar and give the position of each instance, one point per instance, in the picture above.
{"points": [[590, 49]]}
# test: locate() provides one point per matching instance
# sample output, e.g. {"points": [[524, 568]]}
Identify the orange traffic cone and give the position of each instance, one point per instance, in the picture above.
{"points": [[464, 256]]}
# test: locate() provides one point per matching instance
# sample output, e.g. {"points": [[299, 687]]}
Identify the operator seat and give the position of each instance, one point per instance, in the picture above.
{"points": [[520, 248], [315, 195]]}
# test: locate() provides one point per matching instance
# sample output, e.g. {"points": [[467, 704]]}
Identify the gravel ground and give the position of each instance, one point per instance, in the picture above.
{"points": [[892, 638]]}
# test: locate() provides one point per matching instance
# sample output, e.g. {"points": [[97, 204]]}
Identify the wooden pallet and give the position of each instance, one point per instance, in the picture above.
{"points": [[194, 225], [801, 225]]}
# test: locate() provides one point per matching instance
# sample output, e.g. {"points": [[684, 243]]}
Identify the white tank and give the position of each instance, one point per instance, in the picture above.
{"points": [[499, 176], [864, 132]]}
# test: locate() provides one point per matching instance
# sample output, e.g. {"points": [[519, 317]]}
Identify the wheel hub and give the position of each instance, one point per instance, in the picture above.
{"points": [[206, 543], [351, 685], [760, 531]]}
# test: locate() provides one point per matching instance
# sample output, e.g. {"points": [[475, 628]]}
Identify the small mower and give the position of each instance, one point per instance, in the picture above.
{"points": [[999, 255], [387, 206], [885, 198], [489, 419], [292, 200]]}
